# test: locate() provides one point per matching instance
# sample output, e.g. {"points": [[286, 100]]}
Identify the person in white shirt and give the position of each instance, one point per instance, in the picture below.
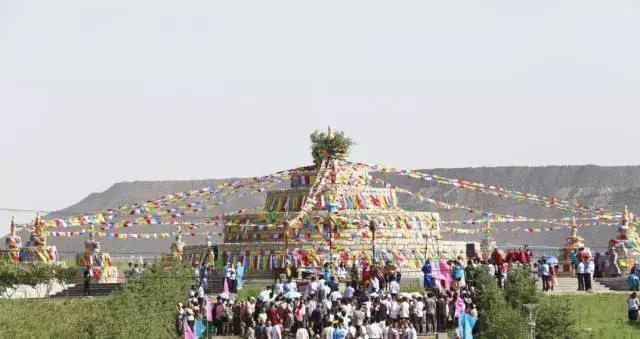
{"points": [[278, 287], [412, 333], [374, 285], [327, 305], [327, 332], [335, 296], [418, 312], [302, 333], [492, 270], [368, 306], [394, 311], [633, 304], [312, 288], [201, 295], [404, 309], [374, 331], [394, 288], [327, 291], [276, 331], [544, 273], [268, 329], [580, 270], [590, 268], [387, 304]]}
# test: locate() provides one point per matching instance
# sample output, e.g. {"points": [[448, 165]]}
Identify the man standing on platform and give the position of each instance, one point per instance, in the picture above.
{"points": [[87, 280], [590, 267], [581, 271], [544, 273]]}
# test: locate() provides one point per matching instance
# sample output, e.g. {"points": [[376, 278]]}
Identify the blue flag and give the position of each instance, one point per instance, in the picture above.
{"points": [[198, 328], [466, 323]]}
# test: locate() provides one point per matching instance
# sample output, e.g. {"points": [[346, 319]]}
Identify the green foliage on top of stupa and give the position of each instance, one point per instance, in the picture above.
{"points": [[332, 144]]}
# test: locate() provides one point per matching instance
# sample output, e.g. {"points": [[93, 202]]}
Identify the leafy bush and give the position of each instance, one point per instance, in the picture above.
{"points": [[143, 310], [502, 315], [502, 323], [555, 319]]}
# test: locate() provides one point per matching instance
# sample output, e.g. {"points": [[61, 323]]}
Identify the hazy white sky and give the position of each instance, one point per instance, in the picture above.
{"points": [[95, 93]]}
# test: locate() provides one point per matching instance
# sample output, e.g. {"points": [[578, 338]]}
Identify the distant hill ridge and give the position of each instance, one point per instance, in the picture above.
{"points": [[596, 186]]}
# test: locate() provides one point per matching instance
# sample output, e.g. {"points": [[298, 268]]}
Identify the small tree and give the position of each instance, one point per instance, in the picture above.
{"points": [[332, 144], [520, 288], [8, 278], [65, 275], [502, 323], [555, 319]]}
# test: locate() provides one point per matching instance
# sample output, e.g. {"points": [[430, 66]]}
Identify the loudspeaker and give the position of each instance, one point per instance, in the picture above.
{"points": [[471, 250]]}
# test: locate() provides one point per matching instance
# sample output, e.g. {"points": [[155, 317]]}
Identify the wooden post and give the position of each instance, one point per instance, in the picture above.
{"points": [[286, 237], [330, 240], [426, 246], [372, 227]]}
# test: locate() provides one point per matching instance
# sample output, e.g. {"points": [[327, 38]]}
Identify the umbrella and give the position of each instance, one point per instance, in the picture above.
{"points": [[292, 295], [373, 295], [551, 260], [264, 296], [225, 295]]}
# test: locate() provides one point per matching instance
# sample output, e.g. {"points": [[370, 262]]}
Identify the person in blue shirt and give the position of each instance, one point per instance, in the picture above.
{"points": [[338, 332], [326, 272], [458, 273]]}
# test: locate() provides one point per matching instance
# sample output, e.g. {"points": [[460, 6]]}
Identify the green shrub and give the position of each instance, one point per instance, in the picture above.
{"points": [[520, 289]]}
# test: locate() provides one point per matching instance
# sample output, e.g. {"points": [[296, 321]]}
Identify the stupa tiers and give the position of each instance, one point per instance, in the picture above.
{"points": [[488, 242], [97, 261], [573, 243], [177, 247], [326, 215], [36, 248], [13, 243], [626, 243]]}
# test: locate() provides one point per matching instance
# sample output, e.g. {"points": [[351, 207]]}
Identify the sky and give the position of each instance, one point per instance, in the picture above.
{"points": [[94, 93]]}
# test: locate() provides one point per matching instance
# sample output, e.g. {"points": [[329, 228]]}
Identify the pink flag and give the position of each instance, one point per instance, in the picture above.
{"points": [[444, 273], [460, 307], [188, 334], [208, 308], [226, 286]]}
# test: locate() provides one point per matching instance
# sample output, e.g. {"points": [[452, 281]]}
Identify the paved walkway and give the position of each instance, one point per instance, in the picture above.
{"points": [[569, 285]]}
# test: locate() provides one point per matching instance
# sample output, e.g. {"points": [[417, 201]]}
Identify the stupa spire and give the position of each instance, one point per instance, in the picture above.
{"points": [[574, 228]]}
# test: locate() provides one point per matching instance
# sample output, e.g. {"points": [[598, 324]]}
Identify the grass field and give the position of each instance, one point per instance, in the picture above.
{"points": [[602, 315]]}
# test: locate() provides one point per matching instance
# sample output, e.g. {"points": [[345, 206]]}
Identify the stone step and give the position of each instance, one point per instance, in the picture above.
{"points": [[94, 290], [615, 284], [565, 285]]}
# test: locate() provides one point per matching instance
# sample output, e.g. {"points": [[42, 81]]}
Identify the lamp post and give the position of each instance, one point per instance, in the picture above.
{"points": [[531, 321]]}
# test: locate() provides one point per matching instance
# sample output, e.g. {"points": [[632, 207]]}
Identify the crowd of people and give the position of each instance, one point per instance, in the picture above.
{"points": [[352, 303], [339, 303]]}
